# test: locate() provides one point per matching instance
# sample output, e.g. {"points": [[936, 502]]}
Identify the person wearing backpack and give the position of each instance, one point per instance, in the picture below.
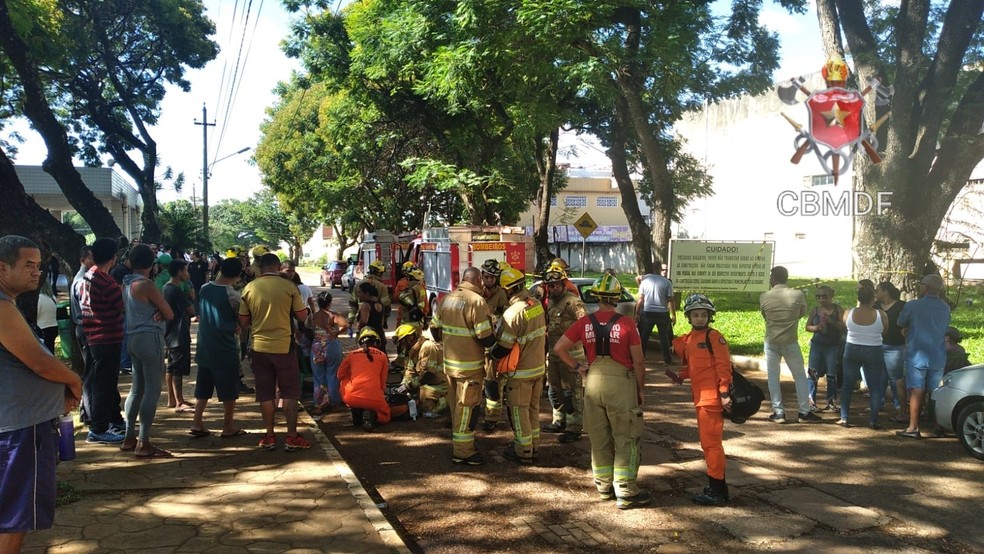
{"points": [[707, 363], [614, 375]]}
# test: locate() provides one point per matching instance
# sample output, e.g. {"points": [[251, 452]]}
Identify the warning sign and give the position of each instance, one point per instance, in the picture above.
{"points": [[585, 225], [720, 266]]}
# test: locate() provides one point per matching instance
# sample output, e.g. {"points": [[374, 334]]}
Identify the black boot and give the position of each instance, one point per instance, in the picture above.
{"points": [[715, 493]]}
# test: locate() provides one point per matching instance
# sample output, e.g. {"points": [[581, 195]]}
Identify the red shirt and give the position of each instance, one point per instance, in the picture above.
{"points": [[101, 300], [623, 333]]}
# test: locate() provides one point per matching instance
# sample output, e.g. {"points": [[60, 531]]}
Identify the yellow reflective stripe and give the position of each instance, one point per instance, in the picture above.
{"points": [[456, 331], [537, 333], [528, 373], [482, 326], [463, 365], [507, 339], [602, 472]]}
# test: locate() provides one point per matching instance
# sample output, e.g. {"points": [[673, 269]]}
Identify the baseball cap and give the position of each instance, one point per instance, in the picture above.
{"points": [[933, 282]]}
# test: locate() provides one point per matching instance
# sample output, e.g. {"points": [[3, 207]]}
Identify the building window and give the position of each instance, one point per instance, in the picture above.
{"points": [[576, 202], [768, 236], [553, 200], [607, 202], [800, 236], [821, 180]]}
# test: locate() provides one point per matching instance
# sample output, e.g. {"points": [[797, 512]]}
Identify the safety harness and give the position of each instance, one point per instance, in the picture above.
{"points": [[602, 332]]}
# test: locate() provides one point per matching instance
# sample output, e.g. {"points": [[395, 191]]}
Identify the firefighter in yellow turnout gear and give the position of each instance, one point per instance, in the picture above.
{"points": [[463, 324], [520, 355], [613, 394], [566, 391], [424, 371], [497, 301]]}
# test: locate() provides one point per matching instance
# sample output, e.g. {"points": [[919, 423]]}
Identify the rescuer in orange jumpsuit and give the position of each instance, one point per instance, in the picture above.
{"points": [[707, 363], [362, 376]]}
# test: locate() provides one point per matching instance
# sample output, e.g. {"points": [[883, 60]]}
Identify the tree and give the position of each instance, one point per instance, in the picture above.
{"points": [[14, 26], [931, 52], [640, 66], [181, 225], [260, 220]]}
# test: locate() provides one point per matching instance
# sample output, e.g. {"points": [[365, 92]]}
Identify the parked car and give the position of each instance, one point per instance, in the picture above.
{"points": [[958, 406], [331, 273], [626, 304], [353, 274]]}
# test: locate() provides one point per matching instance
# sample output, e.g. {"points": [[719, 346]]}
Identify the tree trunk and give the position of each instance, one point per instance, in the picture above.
{"points": [[58, 164], [641, 238], [635, 116], [546, 166]]}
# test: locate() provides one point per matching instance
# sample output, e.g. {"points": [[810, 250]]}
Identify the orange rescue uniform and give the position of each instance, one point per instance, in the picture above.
{"points": [[707, 363], [363, 381]]}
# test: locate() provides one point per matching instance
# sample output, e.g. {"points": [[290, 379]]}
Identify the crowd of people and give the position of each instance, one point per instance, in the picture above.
{"points": [[492, 347]]}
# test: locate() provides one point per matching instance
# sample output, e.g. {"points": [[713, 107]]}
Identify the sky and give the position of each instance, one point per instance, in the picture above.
{"points": [[262, 65]]}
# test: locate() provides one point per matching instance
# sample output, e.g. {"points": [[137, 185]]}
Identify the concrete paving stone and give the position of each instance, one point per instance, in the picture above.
{"points": [[763, 528], [590, 542], [559, 530], [740, 474], [266, 546], [580, 535], [673, 548], [826, 509]]}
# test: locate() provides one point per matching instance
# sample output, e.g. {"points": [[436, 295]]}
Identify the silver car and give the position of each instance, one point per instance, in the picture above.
{"points": [[626, 304], [958, 405]]}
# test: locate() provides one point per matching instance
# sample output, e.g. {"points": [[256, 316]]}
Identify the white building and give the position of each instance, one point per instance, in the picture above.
{"points": [[117, 193]]}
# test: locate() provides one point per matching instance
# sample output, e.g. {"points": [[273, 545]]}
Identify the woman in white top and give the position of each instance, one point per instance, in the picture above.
{"points": [[47, 317], [865, 327]]}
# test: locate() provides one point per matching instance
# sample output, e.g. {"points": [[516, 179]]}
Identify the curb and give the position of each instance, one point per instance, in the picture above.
{"points": [[375, 516]]}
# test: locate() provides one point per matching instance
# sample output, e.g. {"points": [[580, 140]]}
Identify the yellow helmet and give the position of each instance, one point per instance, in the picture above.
{"points": [[607, 287], [234, 252], [377, 267], [408, 265], [554, 273], [368, 334], [510, 276], [406, 330], [259, 250], [415, 274]]}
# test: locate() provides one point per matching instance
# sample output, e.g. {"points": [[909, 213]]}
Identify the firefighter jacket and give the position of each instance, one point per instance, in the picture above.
{"points": [[707, 363], [381, 290], [561, 314], [524, 324], [425, 356], [497, 301], [464, 320]]}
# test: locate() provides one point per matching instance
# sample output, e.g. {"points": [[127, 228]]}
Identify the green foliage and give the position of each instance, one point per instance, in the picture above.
{"points": [[181, 225], [259, 220]]}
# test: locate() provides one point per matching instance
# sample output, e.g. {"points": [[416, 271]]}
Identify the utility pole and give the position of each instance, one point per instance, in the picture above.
{"points": [[205, 125]]}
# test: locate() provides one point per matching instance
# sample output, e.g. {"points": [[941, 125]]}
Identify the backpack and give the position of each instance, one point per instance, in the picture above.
{"points": [[746, 397]]}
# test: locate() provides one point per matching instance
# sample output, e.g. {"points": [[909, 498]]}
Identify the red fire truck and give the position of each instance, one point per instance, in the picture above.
{"points": [[444, 253]]}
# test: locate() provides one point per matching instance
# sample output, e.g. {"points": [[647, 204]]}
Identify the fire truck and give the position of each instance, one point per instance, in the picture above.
{"points": [[390, 249], [444, 253]]}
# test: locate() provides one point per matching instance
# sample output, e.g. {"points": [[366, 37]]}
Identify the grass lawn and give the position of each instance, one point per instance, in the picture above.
{"points": [[739, 319]]}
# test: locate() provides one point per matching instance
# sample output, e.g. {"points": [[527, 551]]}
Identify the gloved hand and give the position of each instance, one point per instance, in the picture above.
{"points": [[492, 390]]}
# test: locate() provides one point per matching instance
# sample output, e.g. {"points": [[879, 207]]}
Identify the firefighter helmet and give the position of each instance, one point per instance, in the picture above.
{"points": [[415, 274], [407, 266], [607, 287], [367, 335], [492, 267], [234, 252], [376, 267], [259, 250], [554, 274], [698, 301], [406, 330], [510, 276]]}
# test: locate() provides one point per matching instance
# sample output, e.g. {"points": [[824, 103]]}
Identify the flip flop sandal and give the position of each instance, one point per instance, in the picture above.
{"points": [[182, 409], [128, 448], [199, 432], [238, 432], [156, 453]]}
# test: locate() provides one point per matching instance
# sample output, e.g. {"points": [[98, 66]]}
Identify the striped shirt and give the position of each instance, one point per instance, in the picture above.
{"points": [[101, 300]]}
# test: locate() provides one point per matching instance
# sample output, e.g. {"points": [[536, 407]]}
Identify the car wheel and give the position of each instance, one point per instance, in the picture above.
{"points": [[970, 429]]}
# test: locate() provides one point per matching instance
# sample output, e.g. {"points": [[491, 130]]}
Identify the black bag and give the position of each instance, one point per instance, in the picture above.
{"points": [[746, 397]]}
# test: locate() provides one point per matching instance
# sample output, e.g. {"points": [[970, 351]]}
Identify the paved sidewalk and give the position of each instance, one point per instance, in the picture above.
{"points": [[215, 494]]}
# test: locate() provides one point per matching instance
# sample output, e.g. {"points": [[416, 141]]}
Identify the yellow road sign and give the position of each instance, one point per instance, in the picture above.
{"points": [[585, 225]]}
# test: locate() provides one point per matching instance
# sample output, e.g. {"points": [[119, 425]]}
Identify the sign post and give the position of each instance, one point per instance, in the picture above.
{"points": [[584, 225]]}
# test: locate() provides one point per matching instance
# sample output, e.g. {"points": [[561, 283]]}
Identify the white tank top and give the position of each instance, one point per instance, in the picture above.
{"points": [[864, 335]]}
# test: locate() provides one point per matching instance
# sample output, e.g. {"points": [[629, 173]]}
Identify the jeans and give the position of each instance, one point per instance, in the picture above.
{"points": [[871, 360], [794, 359], [823, 361], [660, 320], [894, 369], [326, 373]]}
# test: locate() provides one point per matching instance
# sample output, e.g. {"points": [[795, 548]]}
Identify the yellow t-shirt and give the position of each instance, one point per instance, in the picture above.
{"points": [[269, 301]]}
